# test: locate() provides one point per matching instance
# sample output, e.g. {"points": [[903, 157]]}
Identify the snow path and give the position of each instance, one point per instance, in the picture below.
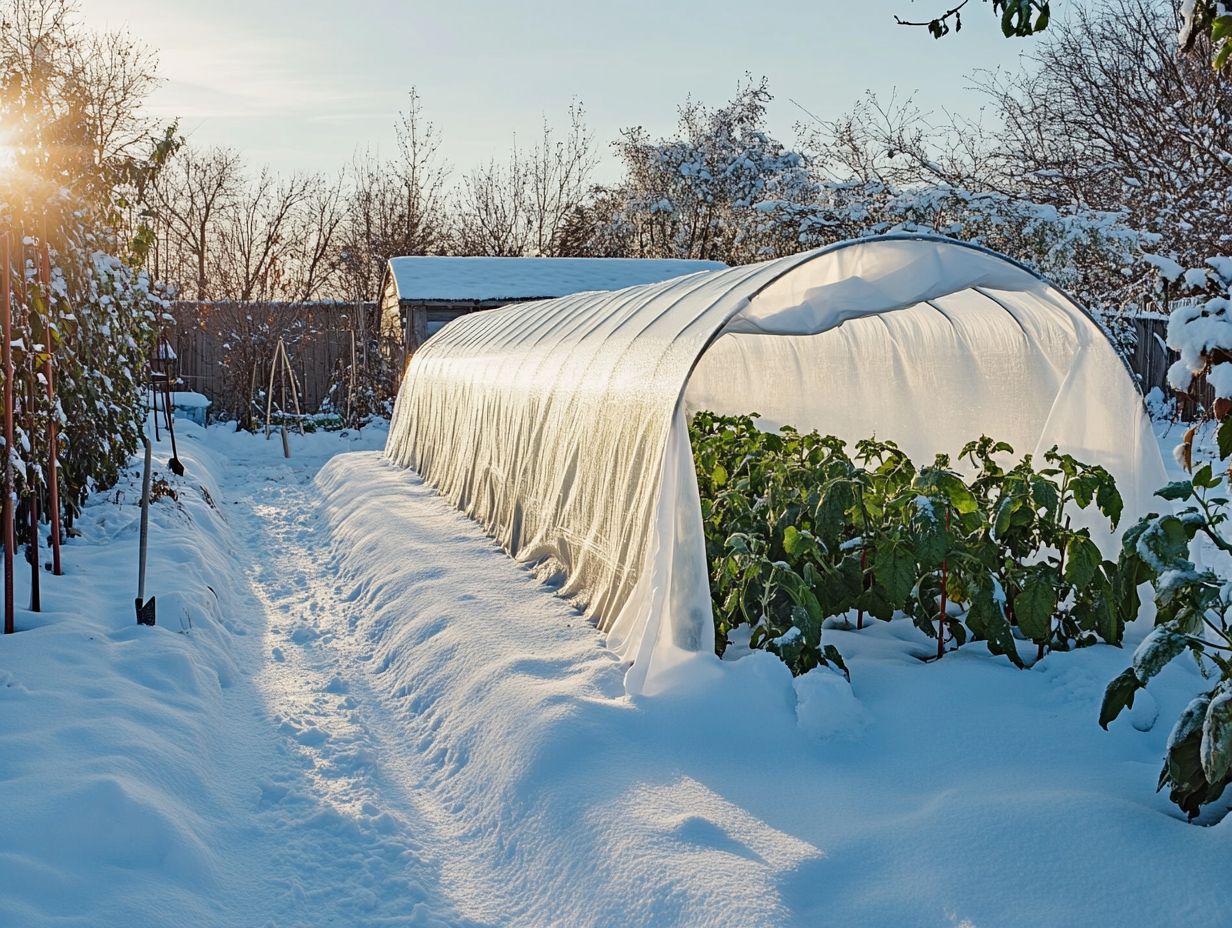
{"points": [[337, 836]]}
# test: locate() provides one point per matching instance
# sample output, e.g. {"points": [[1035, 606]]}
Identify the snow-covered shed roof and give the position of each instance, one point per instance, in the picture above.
{"points": [[431, 278], [561, 426]]}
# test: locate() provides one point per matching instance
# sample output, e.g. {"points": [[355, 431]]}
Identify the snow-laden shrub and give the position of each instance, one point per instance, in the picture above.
{"points": [[1201, 331]]}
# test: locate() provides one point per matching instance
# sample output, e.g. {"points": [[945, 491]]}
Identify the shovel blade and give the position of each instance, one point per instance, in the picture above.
{"points": [[145, 611]]}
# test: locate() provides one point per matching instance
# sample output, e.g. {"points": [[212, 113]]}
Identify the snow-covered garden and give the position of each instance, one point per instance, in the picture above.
{"points": [[853, 567]]}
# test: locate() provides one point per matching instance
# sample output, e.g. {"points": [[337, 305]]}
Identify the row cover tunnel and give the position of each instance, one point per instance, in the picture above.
{"points": [[561, 425]]}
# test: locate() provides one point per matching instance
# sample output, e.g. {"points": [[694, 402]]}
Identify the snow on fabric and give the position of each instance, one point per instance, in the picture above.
{"points": [[561, 426], [467, 278]]}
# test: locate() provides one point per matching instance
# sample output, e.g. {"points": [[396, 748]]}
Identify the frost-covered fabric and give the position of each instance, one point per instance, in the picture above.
{"points": [[560, 426]]}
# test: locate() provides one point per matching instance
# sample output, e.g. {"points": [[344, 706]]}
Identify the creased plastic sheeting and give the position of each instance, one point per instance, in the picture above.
{"points": [[560, 426], [548, 422]]}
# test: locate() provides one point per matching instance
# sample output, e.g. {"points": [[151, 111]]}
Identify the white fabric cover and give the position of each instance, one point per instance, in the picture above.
{"points": [[561, 426]]}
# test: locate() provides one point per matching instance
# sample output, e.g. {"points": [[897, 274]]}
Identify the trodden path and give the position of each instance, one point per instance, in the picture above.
{"points": [[330, 832]]}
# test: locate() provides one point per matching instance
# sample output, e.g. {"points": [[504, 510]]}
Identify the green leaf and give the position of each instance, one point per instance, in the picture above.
{"points": [[1221, 61], [894, 569], [1119, 695], [961, 498], [1177, 489], [1034, 605], [1224, 435], [1216, 750], [986, 616], [874, 602], [719, 475], [1166, 539], [794, 542], [1203, 478], [1005, 514], [1082, 560], [1083, 487], [831, 655], [1044, 494], [1007, 20], [1109, 501]]}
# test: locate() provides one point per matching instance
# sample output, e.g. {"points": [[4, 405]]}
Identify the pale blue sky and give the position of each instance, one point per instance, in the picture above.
{"points": [[303, 84]]}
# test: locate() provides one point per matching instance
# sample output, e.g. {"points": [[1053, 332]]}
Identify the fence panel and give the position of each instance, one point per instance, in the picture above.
{"points": [[213, 340]]}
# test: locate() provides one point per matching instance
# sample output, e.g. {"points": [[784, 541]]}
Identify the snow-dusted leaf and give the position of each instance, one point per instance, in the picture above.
{"points": [[1156, 650], [1216, 749]]}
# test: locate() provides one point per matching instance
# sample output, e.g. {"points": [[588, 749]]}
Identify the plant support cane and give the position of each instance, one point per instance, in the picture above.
{"points": [[53, 452], [145, 610], [6, 323]]}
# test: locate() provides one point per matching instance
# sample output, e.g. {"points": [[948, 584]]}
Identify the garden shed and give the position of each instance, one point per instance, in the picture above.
{"points": [[561, 426], [420, 294]]}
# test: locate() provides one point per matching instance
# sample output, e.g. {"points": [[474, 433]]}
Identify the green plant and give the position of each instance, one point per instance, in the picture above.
{"points": [[1192, 615], [798, 531]]}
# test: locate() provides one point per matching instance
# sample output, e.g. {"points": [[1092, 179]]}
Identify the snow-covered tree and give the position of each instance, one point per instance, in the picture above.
{"points": [[722, 187]]}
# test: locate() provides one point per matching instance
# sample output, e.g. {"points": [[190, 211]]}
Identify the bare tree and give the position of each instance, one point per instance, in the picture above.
{"points": [[557, 178], [253, 243], [491, 209], [894, 142], [193, 198], [115, 73], [394, 208], [314, 239], [520, 205]]}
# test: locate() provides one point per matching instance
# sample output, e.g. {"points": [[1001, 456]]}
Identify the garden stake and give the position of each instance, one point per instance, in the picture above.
{"points": [[36, 599], [31, 483], [6, 324], [53, 452], [299, 415], [269, 392], [860, 612], [154, 406], [175, 464], [945, 576], [145, 610]]}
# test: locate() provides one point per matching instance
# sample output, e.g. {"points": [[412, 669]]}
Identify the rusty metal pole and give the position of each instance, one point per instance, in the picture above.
{"points": [[53, 452], [6, 332]]}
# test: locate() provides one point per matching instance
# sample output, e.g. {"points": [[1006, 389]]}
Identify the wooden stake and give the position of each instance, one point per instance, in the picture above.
{"points": [[53, 467], [299, 415], [36, 600], [351, 384], [269, 392], [6, 332], [945, 576]]}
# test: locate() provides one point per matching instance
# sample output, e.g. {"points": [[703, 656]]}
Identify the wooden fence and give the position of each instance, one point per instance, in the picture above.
{"points": [[1152, 357], [218, 346]]}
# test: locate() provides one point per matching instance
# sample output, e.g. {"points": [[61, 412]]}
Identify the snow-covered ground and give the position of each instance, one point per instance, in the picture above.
{"points": [[377, 718]]}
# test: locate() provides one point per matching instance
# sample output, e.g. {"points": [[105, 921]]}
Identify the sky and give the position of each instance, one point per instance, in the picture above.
{"points": [[303, 85]]}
